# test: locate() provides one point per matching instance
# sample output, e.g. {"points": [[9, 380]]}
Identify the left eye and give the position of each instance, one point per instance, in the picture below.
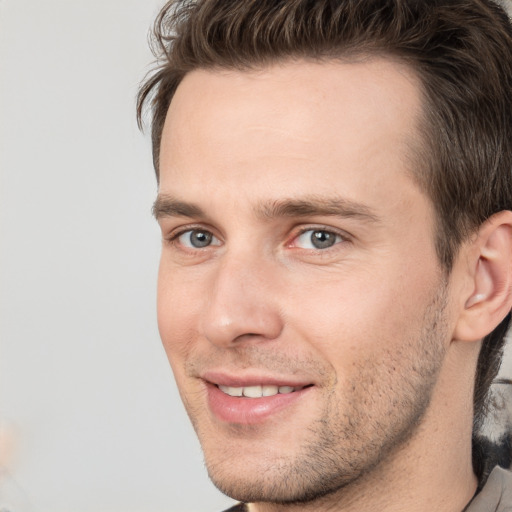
{"points": [[317, 239], [197, 239]]}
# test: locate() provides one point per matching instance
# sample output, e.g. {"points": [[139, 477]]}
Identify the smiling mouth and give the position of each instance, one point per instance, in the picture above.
{"points": [[259, 391]]}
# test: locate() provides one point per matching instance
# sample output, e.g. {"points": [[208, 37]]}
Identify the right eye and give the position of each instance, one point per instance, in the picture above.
{"points": [[197, 239], [317, 239]]}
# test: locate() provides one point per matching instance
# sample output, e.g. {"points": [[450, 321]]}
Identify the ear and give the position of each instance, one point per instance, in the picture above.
{"points": [[488, 296]]}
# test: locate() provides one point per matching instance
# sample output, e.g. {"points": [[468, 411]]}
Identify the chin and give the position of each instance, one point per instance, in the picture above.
{"points": [[310, 473], [283, 482]]}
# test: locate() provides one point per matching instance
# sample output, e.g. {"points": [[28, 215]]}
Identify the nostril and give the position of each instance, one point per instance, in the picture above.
{"points": [[235, 314], [251, 336]]}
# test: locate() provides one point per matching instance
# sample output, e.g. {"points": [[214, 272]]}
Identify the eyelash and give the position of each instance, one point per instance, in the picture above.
{"points": [[173, 237], [322, 229]]}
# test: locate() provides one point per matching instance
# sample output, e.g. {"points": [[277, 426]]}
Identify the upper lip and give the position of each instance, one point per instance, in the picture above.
{"points": [[225, 379]]}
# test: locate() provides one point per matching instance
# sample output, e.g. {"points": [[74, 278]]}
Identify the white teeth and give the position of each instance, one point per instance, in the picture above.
{"points": [[231, 391], [257, 391], [253, 391], [270, 390]]}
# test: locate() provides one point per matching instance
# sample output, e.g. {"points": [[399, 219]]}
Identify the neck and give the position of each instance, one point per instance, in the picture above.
{"points": [[432, 471]]}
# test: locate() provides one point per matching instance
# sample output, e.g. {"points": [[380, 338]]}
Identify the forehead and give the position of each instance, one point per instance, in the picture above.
{"points": [[333, 119]]}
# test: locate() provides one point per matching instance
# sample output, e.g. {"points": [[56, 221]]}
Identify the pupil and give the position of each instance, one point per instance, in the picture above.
{"points": [[200, 238], [322, 239]]}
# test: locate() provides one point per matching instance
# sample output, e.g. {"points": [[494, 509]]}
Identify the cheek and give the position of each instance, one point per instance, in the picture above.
{"points": [[177, 312], [356, 317]]}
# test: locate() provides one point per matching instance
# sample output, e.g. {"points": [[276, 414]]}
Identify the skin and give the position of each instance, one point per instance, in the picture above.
{"points": [[368, 323]]}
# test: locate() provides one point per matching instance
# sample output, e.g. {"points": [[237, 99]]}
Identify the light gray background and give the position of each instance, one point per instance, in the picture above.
{"points": [[83, 378], [84, 382]]}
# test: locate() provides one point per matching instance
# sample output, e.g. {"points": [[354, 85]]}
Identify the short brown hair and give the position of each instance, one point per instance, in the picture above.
{"points": [[460, 49]]}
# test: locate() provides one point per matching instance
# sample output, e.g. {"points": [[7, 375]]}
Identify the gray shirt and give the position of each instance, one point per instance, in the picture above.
{"points": [[496, 496]]}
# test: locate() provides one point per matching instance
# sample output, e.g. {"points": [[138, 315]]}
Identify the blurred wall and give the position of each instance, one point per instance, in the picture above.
{"points": [[87, 402], [86, 393]]}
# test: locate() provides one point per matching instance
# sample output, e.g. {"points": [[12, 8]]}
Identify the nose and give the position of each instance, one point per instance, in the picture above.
{"points": [[242, 304]]}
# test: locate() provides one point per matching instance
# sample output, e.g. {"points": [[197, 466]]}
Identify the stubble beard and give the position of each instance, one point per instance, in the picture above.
{"points": [[388, 400]]}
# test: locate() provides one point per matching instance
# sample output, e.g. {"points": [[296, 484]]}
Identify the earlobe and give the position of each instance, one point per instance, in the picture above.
{"points": [[490, 274]]}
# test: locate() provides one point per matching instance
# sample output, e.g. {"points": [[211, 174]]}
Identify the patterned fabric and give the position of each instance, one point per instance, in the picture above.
{"points": [[492, 445]]}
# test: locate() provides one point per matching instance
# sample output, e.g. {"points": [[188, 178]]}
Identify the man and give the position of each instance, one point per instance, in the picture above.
{"points": [[336, 272]]}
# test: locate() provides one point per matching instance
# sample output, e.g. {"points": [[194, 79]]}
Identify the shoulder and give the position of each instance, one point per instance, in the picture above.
{"points": [[496, 496]]}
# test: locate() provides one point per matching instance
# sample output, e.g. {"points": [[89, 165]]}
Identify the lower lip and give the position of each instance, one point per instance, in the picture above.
{"points": [[249, 411]]}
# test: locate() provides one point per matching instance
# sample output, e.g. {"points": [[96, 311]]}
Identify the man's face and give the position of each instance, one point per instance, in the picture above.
{"points": [[299, 270]]}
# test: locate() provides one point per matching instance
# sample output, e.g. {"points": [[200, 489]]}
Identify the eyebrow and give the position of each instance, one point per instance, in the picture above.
{"points": [[309, 206], [168, 206], [316, 205]]}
